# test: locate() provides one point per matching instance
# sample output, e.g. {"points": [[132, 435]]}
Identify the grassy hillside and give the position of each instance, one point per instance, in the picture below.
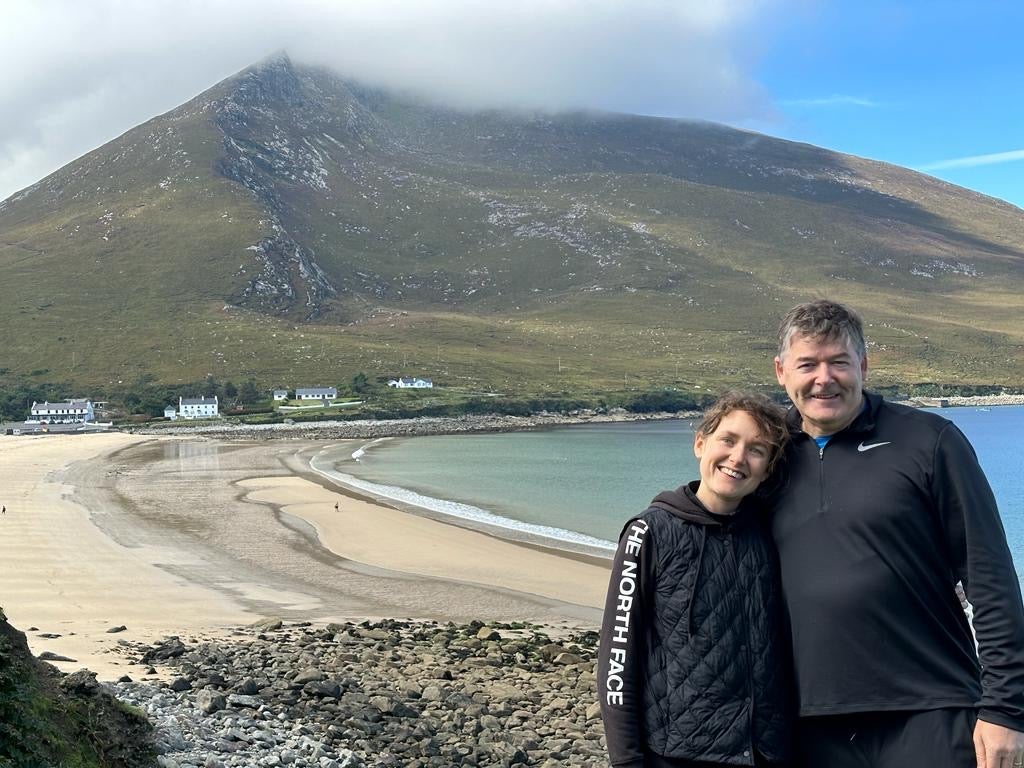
{"points": [[293, 227]]}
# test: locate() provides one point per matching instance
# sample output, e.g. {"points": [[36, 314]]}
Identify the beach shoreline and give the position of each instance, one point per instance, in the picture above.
{"points": [[196, 537]]}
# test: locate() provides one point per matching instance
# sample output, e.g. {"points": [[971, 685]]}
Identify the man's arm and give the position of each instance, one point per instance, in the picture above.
{"points": [[619, 683], [977, 544]]}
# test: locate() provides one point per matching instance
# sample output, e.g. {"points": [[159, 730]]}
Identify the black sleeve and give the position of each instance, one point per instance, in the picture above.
{"points": [[619, 662], [984, 564]]}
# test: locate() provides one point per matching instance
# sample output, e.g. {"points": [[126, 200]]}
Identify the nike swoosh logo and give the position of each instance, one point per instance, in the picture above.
{"points": [[861, 448]]}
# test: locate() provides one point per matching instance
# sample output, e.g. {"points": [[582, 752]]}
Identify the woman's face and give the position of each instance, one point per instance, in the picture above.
{"points": [[733, 459]]}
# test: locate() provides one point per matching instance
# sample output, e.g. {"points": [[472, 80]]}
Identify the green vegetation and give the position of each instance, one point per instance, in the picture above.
{"points": [[42, 724], [492, 252]]}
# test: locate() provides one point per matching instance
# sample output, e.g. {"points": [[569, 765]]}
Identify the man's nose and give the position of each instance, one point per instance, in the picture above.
{"points": [[824, 373]]}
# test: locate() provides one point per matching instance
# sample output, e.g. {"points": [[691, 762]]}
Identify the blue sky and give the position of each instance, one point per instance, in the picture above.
{"points": [[933, 86], [919, 84]]}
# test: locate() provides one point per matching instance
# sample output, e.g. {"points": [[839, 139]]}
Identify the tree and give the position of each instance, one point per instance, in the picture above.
{"points": [[248, 393], [359, 382], [230, 391], [210, 387]]}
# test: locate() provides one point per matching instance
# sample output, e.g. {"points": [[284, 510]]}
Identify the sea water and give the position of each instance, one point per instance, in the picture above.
{"points": [[577, 485]]}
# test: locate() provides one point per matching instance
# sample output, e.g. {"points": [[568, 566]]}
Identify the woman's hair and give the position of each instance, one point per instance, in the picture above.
{"points": [[769, 416]]}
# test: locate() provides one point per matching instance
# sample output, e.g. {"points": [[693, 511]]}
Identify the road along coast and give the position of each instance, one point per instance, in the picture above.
{"points": [[163, 536]]}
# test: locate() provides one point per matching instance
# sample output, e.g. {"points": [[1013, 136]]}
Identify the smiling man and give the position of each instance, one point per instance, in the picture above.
{"points": [[881, 510]]}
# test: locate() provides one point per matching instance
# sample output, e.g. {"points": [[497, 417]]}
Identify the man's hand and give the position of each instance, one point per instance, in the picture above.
{"points": [[998, 746]]}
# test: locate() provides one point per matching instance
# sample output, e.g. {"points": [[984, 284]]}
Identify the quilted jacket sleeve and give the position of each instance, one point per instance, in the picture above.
{"points": [[619, 676]]}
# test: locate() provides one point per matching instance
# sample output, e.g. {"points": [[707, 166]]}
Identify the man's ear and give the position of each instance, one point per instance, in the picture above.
{"points": [[864, 367], [778, 368], [698, 445]]}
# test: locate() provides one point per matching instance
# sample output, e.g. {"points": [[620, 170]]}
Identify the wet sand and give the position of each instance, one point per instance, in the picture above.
{"points": [[193, 536]]}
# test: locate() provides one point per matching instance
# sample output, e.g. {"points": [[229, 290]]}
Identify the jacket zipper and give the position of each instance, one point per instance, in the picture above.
{"points": [[821, 478]]}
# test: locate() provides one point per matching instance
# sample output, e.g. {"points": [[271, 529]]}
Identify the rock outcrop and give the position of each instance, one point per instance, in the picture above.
{"points": [[50, 719]]}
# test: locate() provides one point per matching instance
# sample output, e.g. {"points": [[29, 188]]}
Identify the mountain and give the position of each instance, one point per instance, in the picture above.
{"points": [[294, 226]]}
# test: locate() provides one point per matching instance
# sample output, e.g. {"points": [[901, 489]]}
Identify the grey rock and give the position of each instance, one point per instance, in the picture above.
{"points": [[180, 684], [308, 675], [211, 701], [83, 682], [567, 659], [51, 656]]}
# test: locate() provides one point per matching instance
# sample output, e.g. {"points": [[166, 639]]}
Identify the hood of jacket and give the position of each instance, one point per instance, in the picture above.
{"points": [[683, 502]]}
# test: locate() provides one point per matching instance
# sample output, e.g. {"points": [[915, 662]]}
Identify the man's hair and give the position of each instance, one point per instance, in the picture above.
{"points": [[823, 320], [769, 416]]}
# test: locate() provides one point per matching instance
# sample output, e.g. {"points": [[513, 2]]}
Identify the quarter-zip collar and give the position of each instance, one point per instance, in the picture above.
{"points": [[865, 421]]}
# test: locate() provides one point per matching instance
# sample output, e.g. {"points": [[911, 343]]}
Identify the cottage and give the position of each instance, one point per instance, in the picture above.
{"points": [[171, 413], [68, 412], [280, 394], [411, 383], [198, 407], [316, 393]]}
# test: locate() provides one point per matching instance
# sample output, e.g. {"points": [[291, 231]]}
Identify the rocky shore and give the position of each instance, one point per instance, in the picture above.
{"points": [[387, 693], [369, 429]]}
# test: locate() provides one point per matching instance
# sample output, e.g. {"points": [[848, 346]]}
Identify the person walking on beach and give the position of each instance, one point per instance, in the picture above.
{"points": [[693, 662], [881, 510], [335, 506]]}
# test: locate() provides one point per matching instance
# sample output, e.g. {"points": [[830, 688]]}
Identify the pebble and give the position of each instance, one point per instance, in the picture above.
{"points": [[387, 693]]}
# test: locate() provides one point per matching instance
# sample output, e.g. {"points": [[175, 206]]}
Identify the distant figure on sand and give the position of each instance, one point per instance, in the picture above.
{"points": [[335, 506], [693, 663]]}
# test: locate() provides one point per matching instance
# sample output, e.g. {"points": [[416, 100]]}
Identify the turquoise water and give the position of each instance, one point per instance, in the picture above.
{"points": [[581, 483]]}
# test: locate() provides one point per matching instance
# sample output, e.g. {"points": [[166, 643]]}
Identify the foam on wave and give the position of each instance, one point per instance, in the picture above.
{"points": [[457, 509]]}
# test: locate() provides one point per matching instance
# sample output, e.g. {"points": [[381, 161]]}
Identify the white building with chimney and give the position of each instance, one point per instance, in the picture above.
{"points": [[198, 407], [68, 412]]}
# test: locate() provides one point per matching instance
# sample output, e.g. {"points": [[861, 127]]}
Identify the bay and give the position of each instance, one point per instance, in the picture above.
{"points": [[580, 484]]}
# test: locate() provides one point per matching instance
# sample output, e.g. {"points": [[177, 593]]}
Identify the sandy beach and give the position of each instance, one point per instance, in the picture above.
{"points": [[193, 536]]}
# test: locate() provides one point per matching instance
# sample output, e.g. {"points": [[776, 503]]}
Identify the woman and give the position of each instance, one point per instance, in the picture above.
{"points": [[693, 667]]}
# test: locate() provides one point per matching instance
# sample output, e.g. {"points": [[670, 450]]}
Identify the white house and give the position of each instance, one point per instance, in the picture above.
{"points": [[316, 393], [198, 407], [280, 394], [411, 383], [68, 412], [171, 413]]}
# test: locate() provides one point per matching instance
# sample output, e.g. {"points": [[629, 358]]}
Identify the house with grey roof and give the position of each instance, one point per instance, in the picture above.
{"points": [[316, 393], [198, 407], [67, 412]]}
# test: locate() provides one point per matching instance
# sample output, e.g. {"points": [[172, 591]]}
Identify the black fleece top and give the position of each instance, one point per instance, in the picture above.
{"points": [[873, 532]]}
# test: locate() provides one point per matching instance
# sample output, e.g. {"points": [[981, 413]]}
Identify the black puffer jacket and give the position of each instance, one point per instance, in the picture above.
{"points": [[694, 661]]}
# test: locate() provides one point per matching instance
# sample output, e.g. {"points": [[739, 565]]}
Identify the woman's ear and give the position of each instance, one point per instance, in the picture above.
{"points": [[698, 445]]}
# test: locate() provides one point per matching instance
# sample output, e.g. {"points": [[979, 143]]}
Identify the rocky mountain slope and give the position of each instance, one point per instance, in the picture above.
{"points": [[293, 226]]}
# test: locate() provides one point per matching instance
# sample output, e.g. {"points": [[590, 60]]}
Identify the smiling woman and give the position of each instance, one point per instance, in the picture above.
{"points": [[693, 600]]}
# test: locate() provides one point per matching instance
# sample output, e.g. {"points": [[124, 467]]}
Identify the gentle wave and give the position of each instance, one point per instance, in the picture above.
{"points": [[459, 510]]}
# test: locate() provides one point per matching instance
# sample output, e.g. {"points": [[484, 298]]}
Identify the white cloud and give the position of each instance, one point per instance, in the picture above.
{"points": [[835, 100], [81, 73], [974, 161]]}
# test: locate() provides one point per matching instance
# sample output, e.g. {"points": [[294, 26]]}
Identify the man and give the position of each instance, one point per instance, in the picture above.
{"points": [[880, 511]]}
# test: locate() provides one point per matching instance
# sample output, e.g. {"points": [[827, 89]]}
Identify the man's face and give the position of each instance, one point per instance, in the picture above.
{"points": [[825, 381]]}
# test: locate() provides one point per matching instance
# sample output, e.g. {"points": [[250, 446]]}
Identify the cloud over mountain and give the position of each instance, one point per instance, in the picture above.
{"points": [[88, 72]]}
